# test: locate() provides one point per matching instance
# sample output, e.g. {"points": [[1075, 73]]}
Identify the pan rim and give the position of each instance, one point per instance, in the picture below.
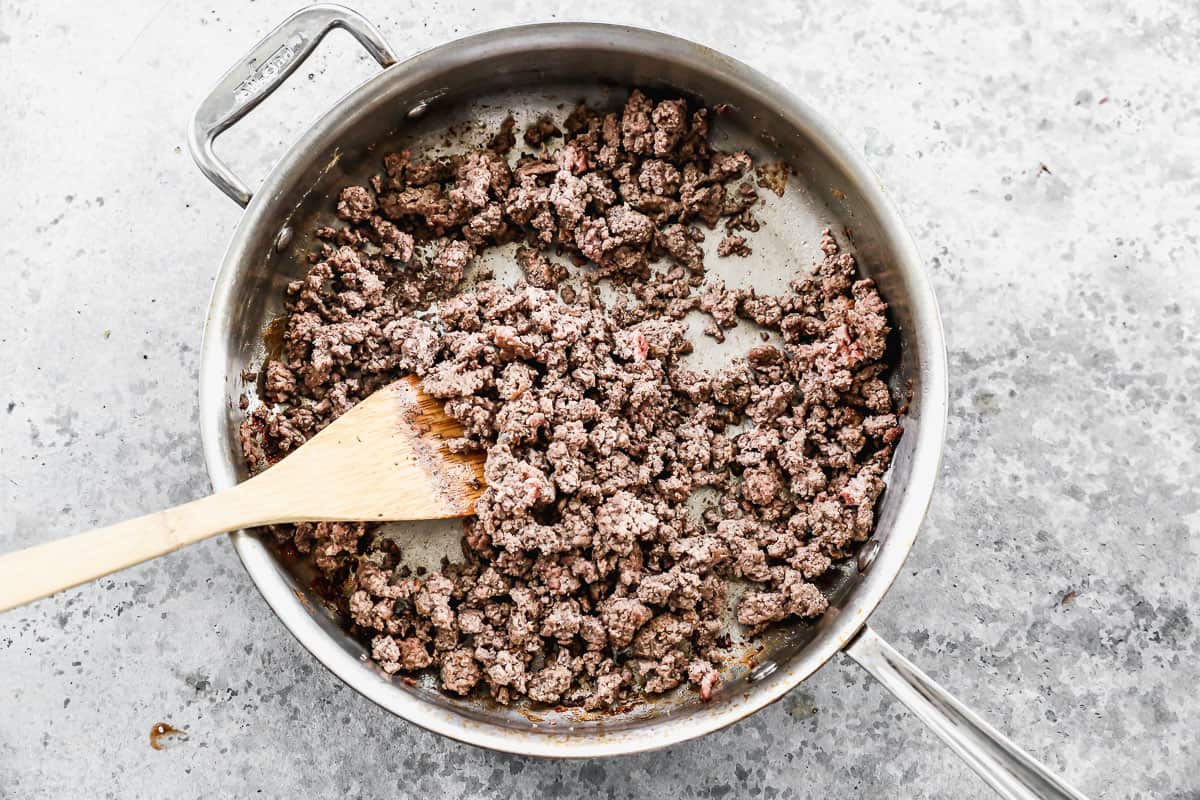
{"points": [[926, 454]]}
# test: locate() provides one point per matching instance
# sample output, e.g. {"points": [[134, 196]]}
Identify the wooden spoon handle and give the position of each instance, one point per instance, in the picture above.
{"points": [[41, 570]]}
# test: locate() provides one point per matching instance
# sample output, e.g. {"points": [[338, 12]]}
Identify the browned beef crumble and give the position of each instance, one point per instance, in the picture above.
{"points": [[584, 577]]}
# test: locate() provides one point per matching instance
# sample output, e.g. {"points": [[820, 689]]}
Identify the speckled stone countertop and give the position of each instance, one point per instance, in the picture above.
{"points": [[1047, 159]]}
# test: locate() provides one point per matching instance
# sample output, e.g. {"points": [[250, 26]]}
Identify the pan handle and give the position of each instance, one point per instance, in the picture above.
{"points": [[262, 71], [1008, 769]]}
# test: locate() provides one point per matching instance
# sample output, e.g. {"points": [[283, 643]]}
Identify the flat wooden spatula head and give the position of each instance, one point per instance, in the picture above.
{"points": [[384, 459]]}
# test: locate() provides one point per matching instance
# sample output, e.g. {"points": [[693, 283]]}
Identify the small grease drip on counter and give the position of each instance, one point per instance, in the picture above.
{"points": [[164, 735]]}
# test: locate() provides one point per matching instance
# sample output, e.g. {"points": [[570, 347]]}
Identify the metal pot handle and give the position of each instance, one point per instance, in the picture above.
{"points": [[1008, 769], [262, 71]]}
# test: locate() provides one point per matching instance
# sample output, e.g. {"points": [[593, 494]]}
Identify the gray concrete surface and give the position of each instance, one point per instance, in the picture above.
{"points": [[1047, 158]]}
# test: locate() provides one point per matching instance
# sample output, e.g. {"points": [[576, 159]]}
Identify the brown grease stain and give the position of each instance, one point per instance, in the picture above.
{"points": [[750, 657], [273, 337], [164, 730]]}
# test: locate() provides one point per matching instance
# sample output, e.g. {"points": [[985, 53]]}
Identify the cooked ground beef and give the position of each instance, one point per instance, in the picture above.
{"points": [[584, 576]]}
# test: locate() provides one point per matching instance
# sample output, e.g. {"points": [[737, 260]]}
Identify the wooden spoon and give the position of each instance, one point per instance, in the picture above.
{"points": [[384, 459]]}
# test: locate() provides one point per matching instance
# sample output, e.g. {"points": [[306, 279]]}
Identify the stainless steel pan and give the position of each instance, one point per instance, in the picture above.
{"points": [[526, 70]]}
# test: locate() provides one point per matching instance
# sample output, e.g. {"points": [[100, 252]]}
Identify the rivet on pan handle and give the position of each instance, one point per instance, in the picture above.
{"points": [[1009, 770], [262, 71]]}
